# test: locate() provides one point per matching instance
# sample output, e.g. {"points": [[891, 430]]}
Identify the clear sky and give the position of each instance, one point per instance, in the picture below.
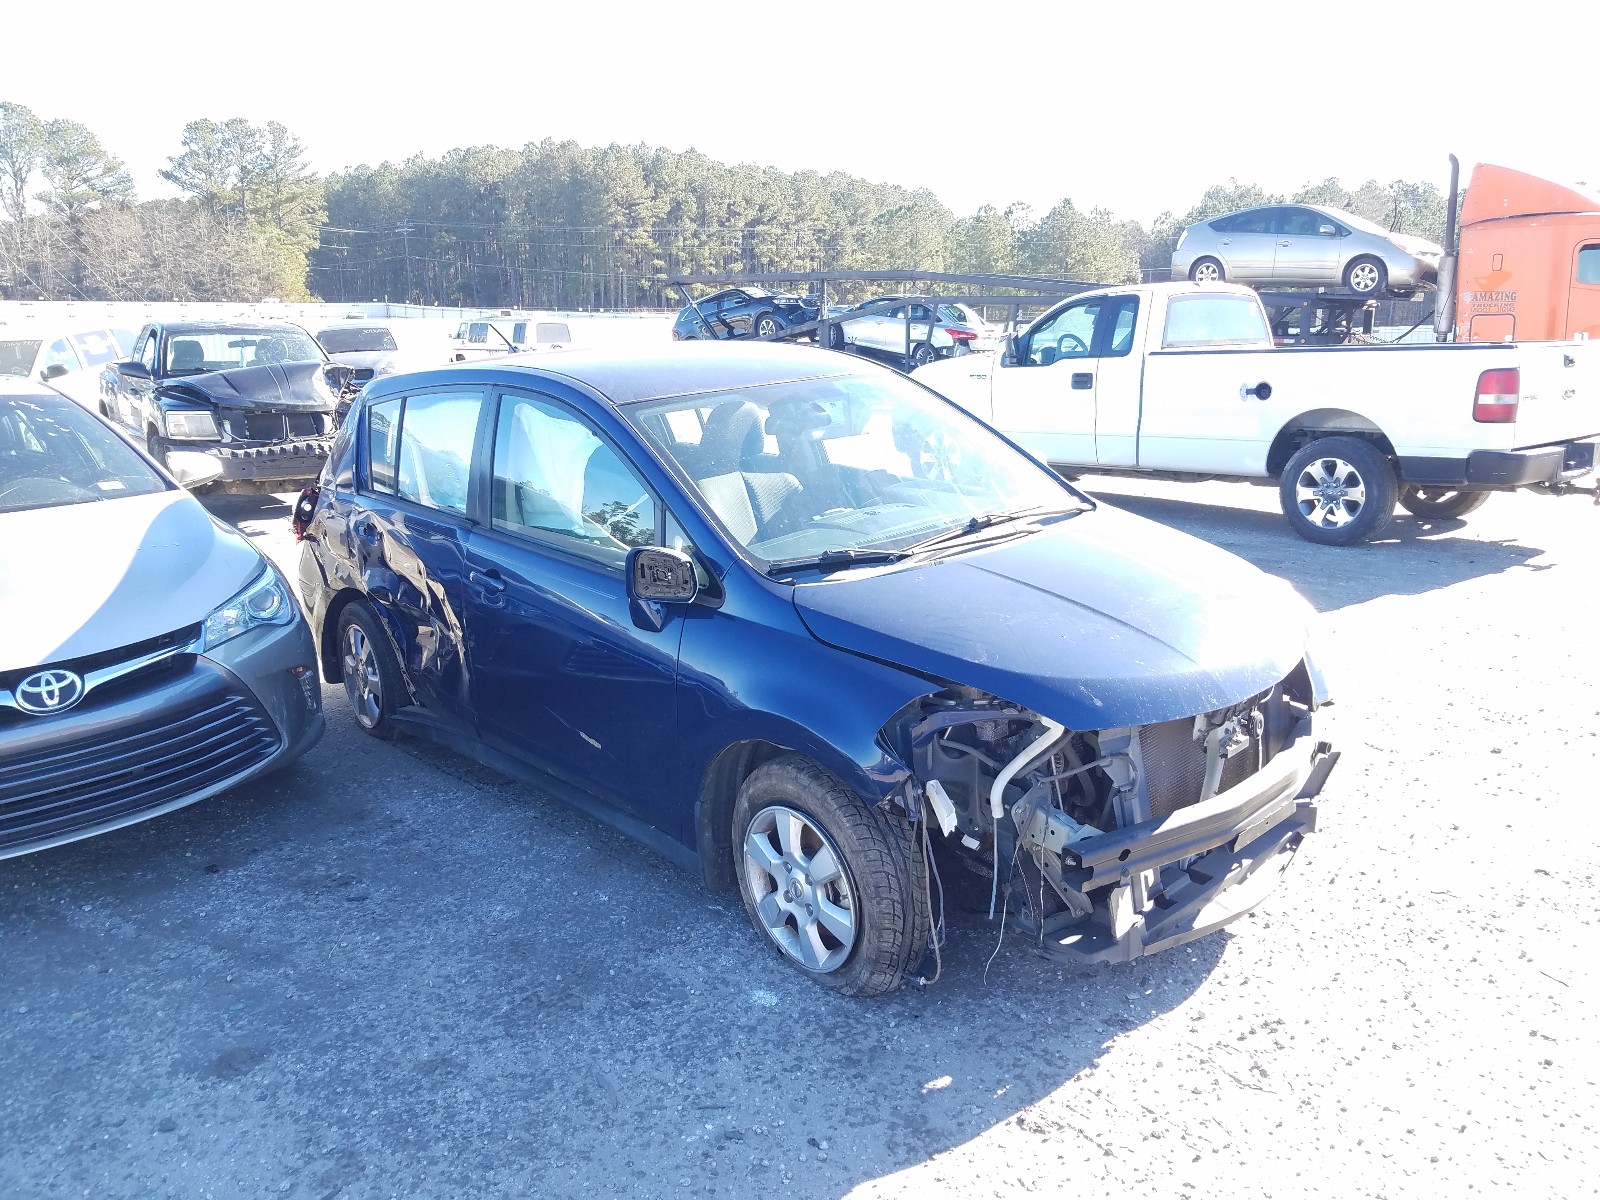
{"points": [[1136, 106]]}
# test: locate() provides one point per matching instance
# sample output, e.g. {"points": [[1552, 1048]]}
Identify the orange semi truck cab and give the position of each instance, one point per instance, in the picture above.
{"points": [[1529, 261]]}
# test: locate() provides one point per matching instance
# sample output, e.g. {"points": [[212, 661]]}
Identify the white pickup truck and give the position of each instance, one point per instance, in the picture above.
{"points": [[1182, 380]]}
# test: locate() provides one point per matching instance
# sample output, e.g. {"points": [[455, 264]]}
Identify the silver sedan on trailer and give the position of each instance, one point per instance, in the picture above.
{"points": [[149, 655], [1304, 245]]}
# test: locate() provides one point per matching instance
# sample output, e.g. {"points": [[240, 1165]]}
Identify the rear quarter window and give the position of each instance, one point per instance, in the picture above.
{"points": [[1195, 322]]}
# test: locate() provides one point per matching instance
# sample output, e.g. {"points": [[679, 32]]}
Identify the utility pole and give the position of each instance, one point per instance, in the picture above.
{"points": [[404, 230]]}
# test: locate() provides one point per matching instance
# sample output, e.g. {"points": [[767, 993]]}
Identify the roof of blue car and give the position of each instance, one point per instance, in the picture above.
{"points": [[627, 375]]}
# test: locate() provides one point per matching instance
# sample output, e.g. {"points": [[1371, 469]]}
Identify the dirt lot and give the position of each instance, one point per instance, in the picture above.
{"points": [[389, 972]]}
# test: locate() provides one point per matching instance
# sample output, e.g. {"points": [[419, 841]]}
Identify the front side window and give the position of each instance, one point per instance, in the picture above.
{"points": [[1067, 334], [437, 431], [1302, 222], [61, 355], [53, 453], [1200, 321], [793, 470], [1589, 264], [557, 479]]}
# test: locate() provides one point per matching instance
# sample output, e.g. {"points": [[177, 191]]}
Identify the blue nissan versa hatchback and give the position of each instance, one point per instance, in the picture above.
{"points": [[788, 617]]}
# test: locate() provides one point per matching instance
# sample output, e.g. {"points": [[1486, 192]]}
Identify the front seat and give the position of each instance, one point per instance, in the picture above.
{"points": [[186, 355], [747, 502]]}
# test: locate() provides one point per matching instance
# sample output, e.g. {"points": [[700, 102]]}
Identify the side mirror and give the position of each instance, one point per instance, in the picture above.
{"points": [[1327, 231], [659, 575], [53, 371], [192, 469], [133, 370]]}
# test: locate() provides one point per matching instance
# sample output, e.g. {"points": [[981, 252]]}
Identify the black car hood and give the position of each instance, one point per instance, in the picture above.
{"points": [[1100, 620], [281, 387]]}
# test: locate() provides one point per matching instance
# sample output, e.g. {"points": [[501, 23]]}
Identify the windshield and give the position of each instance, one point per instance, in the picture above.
{"points": [[795, 470], [346, 339], [52, 453], [196, 352], [16, 356]]}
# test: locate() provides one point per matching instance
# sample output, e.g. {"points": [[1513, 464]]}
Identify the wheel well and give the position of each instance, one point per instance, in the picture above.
{"points": [[1324, 422], [714, 817], [328, 639]]}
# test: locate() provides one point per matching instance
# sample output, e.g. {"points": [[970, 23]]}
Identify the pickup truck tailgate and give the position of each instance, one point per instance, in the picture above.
{"points": [[1560, 392]]}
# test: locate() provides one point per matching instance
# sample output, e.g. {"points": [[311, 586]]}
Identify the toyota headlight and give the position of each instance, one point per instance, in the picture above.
{"points": [[265, 601], [189, 425]]}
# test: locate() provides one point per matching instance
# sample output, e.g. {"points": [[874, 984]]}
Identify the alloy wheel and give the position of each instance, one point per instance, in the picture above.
{"points": [[1363, 277], [1330, 493], [803, 897], [1207, 273], [361, 680]]}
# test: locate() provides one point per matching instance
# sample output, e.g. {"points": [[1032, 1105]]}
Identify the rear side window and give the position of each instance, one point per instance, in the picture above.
{"points": [[436, 435], [1589, 264], [552, 331], [1195, 321], [383, 445]]}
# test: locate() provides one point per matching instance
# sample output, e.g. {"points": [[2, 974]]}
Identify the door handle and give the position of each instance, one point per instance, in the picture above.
{"points": [[1261, 391], [490, 581], [1082, 381], [1285, 243]]}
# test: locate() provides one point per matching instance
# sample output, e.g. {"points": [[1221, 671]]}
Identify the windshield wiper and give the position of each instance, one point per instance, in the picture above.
{"points": [[982, 521], [832, 560]]}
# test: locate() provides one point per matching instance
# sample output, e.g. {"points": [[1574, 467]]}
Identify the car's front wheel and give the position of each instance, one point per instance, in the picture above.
{"points": [[371, 675], [838, 888], [765, 325], [1338, 490], [1440, 502], [1366, 277]]}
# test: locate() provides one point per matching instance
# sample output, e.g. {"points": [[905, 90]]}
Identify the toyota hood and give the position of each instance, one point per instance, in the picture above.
{"points": [[1098, 621], [82, 578]]}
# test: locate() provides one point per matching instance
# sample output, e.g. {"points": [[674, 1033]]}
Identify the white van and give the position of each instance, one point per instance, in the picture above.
{"points": [[67, 357], [484, 337]]}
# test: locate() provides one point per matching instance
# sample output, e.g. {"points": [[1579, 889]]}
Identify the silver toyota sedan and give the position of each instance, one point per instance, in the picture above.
{"points": [[149, 655], [1304, 245]]}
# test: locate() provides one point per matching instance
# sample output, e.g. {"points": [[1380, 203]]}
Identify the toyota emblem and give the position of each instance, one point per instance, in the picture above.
{"points": [[46, 692]]}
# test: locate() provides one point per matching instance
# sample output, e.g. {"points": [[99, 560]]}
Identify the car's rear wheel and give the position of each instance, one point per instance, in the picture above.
{"points": [[1366, 276], [1440, 501], [1338, 490], [372, 680], [1207, 270], [838, 888], [836, 339], [922, 354], [765, 325]]}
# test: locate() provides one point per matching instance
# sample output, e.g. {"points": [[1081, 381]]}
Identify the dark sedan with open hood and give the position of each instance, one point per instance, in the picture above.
{"points": [[793, 619], [261, 399]]}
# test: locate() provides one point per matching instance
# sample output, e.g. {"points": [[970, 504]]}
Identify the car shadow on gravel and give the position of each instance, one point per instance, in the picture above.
{"points": [[1412, 557], [386, 971]]}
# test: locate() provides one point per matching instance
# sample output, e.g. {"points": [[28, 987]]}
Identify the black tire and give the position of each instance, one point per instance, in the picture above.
{"points": [[375, 718], [765, 324], [1366, 276], [836, 340], [156, 446], [880, 863], [1437, 502], [922, 354], [1338, 490], [1205, 267]]}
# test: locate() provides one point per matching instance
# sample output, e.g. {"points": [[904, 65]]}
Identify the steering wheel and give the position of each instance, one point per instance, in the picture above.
{"points": [[1061, 345]]}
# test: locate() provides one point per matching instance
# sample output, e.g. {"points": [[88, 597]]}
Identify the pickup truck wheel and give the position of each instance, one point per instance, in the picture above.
{"points": [[371, 674], [765, 325], [1207, 270], [1338, 490], [1440, 501], [838, 888], [1366, 277], [157, 446]]}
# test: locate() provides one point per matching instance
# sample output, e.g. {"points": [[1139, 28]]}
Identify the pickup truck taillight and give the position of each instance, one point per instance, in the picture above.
{"points": [[1498, 394]]}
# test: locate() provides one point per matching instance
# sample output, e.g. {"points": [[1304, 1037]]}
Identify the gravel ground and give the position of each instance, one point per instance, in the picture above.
{"points": [[389, 972]]}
